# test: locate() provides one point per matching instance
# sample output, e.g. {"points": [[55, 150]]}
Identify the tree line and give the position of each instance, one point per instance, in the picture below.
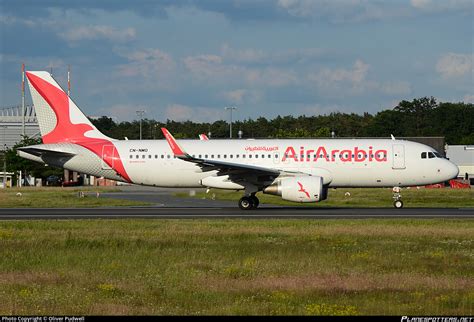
{"points": [[419, 117]]}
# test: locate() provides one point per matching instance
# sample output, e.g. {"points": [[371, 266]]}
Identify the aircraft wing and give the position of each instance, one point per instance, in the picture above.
{"points": [[234, 170]]}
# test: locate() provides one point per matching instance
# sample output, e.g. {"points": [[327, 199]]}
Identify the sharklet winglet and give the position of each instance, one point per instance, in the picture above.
{"points": [[177, 150]]}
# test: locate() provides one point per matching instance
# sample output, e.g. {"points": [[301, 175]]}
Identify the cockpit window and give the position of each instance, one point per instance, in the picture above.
{"points": [[438, 155], [423, 155], [431, 155]]}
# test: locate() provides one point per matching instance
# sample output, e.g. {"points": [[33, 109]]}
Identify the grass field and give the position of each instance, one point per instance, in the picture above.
{"points": [[308, 267], [58, 197], [363, 197]]}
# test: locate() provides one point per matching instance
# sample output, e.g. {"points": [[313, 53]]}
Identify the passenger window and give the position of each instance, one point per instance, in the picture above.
{"points": [[263, 156], [237, 156], [250, 156], [200, 156], [256, 156], [231, 156], [243, 156], [131, 156], [137, 156], [269, 156], [149, 156], [156, 156], [143, 156], [162, 156], [169, 156], [205, 156], [218, 156], [212, 156], [276, 156], [225, 156]]}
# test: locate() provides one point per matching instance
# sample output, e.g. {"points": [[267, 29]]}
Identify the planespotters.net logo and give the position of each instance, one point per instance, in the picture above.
{"points": [[437, 319]]}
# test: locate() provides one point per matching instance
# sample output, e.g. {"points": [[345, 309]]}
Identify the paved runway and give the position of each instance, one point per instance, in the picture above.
{"points": [[234, 212], [166, 205]]}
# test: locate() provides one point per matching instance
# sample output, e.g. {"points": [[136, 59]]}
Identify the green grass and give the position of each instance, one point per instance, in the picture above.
{"points": [[58, 197], [308, 267], [363, 197]]}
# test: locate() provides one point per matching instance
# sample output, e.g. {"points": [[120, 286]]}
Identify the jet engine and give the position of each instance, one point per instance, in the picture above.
{"points": [[299, 189]]}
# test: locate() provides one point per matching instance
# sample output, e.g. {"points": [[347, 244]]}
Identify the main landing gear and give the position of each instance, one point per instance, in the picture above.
{"points": [[249, 202], [397, 198]]}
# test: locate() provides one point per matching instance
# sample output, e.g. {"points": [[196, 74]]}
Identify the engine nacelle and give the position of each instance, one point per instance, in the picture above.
{"points": [[299, 189], [221, 182]]}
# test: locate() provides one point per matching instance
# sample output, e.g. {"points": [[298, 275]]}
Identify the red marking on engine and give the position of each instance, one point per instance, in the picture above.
{"points": [[302, 189]]}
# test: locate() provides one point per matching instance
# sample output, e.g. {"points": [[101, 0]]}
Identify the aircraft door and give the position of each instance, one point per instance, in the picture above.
{"points": [[398, 151], [108, 155]]}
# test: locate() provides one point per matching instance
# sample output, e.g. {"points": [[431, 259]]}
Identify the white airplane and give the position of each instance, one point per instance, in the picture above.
{"points": [[297, 170]]}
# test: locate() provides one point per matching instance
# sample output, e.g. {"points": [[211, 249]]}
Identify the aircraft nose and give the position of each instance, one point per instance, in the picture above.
{"points": [[452, 170]]}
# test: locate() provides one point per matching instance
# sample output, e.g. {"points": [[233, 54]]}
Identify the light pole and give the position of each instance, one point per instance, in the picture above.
{"points": [[154, 130], [140, 114], [4, 158], [230, 109]]}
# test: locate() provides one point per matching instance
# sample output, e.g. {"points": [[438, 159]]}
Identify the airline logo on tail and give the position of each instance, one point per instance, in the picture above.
{"points": [[71, 124]]}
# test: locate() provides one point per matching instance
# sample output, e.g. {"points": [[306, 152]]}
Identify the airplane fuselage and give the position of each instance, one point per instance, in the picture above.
{"points": [[341, 162]]}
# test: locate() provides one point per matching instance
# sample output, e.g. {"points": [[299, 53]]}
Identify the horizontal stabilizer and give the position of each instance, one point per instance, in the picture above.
{"points": [[43, 152]]}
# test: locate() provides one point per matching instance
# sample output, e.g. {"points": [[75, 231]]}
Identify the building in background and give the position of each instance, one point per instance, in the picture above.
{"points": [[11, 125], [463, 157], [11, 132]]}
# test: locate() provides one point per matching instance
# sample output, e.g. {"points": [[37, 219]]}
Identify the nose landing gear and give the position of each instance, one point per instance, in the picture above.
{"points": [[397, 197]]}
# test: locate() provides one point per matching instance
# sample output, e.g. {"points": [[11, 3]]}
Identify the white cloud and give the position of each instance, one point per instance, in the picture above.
{"points": [[420, 3], [240, 96], [441, 5], [258, 56], [178, 112], [204, 66], [455, 65], [98, 33], [355, 81], [12, 20], [247, 55], [331, 77], [147, 63], [468, 98], [396, 88], [343, 11], [213, 69]]}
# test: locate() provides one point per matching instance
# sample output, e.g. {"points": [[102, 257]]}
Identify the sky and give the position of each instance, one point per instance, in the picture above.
{"points": [[188, 60]]}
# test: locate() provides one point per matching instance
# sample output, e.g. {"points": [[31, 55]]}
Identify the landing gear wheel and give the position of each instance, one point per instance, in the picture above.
{"points": [[398, 204], [246, 203], [255, 201]]}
